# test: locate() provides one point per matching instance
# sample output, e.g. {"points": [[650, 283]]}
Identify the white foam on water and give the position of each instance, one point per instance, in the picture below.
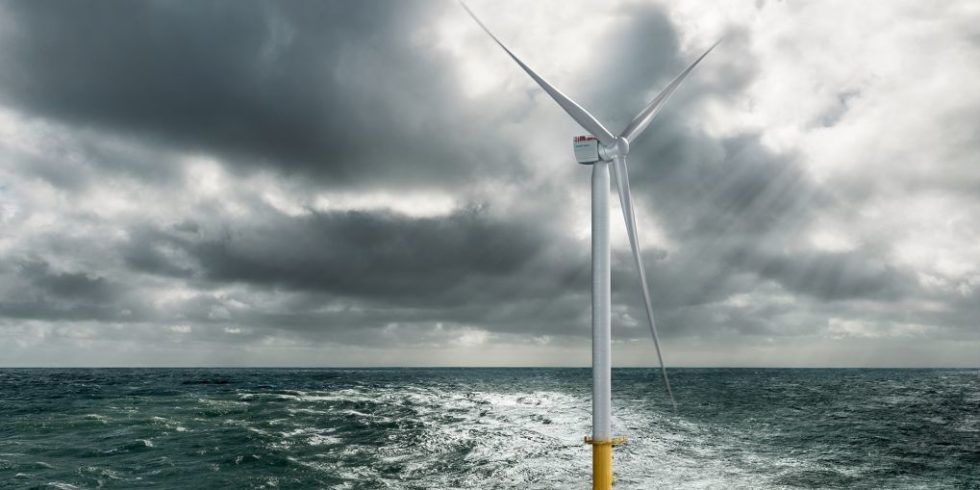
{"points": [[62, 485], [169, 424], [307, 411], [97, 417], [99, 471], [312, 436]]}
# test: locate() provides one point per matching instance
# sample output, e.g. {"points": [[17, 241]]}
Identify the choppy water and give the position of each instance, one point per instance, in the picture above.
{"points": [[485, 428]]}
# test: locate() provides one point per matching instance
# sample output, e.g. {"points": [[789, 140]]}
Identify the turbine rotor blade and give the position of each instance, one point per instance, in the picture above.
{"points": [[645, 117], [626, 200], [580, 115]]}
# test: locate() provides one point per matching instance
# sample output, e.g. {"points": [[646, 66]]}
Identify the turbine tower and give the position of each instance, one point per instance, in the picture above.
{"points": [[602, 149]]}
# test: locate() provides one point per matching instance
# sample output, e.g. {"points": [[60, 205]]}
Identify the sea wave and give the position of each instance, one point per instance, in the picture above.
{"points": [[485, 428]]}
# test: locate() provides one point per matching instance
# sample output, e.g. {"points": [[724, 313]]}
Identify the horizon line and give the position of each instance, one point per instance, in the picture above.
{"points": [[477, 367]]}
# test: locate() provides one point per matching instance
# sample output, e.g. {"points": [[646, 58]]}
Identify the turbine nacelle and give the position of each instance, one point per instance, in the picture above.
{"points": [[588, 149]]}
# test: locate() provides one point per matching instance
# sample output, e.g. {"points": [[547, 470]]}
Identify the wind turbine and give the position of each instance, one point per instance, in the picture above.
{"points": [[599, 149]]}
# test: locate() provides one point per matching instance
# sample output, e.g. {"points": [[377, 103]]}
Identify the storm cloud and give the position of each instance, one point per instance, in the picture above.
{"points": [[376, 183]]}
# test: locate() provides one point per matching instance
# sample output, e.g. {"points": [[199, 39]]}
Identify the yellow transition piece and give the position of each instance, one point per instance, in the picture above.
{"points": [[602, 474]]}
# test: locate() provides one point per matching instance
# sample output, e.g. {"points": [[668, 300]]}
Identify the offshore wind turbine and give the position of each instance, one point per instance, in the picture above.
{"points": [[602, 149]]}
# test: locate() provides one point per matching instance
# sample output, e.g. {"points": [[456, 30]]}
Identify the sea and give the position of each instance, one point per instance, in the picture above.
{"points": [[486, 428]]}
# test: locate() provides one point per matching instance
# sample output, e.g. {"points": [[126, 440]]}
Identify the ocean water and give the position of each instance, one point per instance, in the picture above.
{"points": [[485, 428]]}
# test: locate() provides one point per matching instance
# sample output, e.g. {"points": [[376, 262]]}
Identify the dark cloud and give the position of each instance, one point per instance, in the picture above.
{"points": [[834, 276], [67, 285], [35, 290], [469, 267], [639, 58], [363, 254], [295, 86]]}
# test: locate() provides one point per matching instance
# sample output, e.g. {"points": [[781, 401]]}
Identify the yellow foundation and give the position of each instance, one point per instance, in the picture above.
{"points": [[602, 466], [602, 474]]}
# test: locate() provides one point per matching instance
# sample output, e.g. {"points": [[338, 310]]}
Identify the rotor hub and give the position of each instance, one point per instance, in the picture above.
{"points": [[618, 149]]}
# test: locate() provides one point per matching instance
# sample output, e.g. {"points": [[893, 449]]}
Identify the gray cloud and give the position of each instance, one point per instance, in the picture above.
{"points": [[356, 253], [296, 86], [34, 290], [264, 176]]}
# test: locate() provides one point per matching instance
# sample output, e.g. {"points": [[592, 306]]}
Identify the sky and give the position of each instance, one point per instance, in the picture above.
{"points": [[375, 183]]}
